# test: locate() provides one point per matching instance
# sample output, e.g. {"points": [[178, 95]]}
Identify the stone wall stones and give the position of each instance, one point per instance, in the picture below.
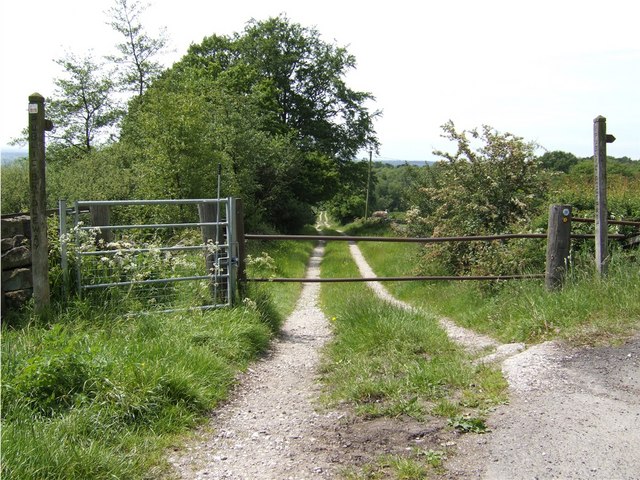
{"points": [[17, 285]]}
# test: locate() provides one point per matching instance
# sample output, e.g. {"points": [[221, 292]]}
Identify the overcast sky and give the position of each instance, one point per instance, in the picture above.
{"points": [[542, 70]]}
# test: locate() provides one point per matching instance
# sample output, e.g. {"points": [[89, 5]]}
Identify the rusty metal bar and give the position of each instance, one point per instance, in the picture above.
{"points": [[393, 279], [345, 238], [473, 238]]}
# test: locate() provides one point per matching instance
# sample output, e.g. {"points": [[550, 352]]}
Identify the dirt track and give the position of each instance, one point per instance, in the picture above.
{"points": [[573, 414]]}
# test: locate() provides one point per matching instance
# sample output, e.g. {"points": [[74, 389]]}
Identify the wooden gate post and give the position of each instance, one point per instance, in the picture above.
{"points": [[558, 243], [37, 187], [101, 216]]}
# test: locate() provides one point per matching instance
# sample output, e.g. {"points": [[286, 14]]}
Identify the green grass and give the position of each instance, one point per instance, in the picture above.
{"points": [[387, 361], [90, 392], [289, 260], [587, 310], [96, 397]]}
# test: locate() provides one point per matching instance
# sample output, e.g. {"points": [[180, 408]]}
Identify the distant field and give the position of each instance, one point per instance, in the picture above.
{"points": [[9, 156]]}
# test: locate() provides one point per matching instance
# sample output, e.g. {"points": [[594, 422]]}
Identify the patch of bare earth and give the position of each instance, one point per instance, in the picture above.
{"points": [[573, 414]]}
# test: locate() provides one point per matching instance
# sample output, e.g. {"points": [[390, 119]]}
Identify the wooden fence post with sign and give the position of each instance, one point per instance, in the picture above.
{"points": [[600, 140], [38, 193], [558, 243]]}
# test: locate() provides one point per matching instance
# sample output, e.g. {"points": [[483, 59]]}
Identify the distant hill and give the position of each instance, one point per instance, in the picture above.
{"points": [[9, 156], [415, 163]]}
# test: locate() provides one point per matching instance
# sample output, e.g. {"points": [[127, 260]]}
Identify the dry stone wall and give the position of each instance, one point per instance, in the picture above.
{"points": [[17, 286]]}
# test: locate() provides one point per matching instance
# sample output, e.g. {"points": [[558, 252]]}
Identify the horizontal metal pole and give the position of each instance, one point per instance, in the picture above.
{"points": [[155, 225], [157, 280], [345, 238], [470, 238], [392, 279], [161, 249], [194, 201]]}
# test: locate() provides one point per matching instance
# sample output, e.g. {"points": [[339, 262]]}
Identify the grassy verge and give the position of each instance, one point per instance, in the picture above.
{"points": [[386, 361], [91, 393], [587, 310]]}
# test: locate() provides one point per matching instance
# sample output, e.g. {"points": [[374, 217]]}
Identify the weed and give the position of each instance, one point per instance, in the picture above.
{"points": [[435, 458], [468, 424]]}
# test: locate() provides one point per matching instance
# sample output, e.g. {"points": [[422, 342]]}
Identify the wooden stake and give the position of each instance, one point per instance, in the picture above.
{"points": [[558, 243]]}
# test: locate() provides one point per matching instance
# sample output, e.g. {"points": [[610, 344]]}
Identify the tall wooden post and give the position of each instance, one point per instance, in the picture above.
{"points": [[558, 243], [600, 140], [38, 192]]}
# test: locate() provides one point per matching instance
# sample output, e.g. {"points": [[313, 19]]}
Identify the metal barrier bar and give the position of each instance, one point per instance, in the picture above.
{"points": [[149, 282], [345, 238], [154, 225], [143, 250], [151, 202], [471, 238], [393, 279]]}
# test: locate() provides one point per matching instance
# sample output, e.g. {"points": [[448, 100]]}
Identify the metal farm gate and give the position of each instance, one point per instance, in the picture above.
{"points": [[161, 264]]}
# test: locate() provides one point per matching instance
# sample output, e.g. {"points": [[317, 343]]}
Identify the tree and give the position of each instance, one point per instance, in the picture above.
{"points": [[138, 51], [348, 201], [270, 104], [492, 184], [82, 108], [14, 187], [558, 161], [182, 130], [290, 73]]}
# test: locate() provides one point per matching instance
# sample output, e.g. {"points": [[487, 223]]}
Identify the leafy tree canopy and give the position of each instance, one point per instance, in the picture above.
{"points": [[270, 105], [294, 77], [82, 108], [138, 51], [558, 161]]}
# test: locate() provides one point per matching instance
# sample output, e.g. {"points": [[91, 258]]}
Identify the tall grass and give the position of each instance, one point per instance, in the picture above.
{"points": [[588, 310], [93, 393], [388, 361]]}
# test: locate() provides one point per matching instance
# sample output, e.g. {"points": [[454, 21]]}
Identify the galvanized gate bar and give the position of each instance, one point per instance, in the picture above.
{"points": [[155, 225], [155, 280], [150, 202], [160, 249]]}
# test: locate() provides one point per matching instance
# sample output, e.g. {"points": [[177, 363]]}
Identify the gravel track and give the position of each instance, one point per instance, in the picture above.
{"points": [[573, 414], [266, 431]]}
